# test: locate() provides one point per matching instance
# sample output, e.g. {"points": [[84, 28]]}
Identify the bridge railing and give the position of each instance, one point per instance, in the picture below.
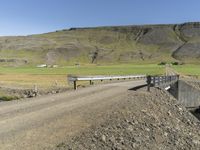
{"points": [[74, 79], [160, 81]]}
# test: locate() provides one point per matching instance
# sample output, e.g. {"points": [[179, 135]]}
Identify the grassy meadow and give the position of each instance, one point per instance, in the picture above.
{"points": [[189, 69], [27, 77], [49, 77]]}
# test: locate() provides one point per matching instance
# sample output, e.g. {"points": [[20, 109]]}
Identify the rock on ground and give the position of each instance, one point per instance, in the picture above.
{"points": [[142, 121]]}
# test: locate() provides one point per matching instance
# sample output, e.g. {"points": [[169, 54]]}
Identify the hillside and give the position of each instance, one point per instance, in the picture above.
{"points": [[119, 44]]}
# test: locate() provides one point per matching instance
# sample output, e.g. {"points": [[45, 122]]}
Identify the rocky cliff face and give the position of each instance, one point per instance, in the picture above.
{"points": [[147, 43]]}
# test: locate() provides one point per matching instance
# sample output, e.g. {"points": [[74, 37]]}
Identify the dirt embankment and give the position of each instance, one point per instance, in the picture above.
{"points": [[12, 93], [141, 121], [194, 83]]}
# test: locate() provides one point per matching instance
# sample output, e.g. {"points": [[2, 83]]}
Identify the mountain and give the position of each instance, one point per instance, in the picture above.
{"points": [[103, 45]]}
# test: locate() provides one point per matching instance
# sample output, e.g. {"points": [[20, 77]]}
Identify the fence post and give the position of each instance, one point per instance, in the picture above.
{"points": [[148, 83]]}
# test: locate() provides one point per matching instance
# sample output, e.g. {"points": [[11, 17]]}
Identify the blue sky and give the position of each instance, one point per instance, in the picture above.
{"points": [[23, 17]]}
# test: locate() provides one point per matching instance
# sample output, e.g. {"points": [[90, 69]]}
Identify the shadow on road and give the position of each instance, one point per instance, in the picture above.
{"points": [[137, 87]]}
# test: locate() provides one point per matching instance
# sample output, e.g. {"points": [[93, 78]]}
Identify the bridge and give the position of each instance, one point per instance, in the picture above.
{"points": [[186, 93], [161, 81]]}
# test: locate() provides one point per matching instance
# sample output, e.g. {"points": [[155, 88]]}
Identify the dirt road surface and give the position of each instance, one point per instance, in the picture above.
{"points": [[44, 122]]}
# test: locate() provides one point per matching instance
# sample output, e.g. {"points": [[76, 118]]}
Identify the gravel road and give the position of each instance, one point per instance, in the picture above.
{"points": [[44, 122]]}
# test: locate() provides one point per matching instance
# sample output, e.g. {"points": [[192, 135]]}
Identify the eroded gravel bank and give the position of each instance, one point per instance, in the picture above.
{"points": [[141, 121]]}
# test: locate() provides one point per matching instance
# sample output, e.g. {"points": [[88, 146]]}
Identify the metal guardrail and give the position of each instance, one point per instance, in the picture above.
{"points": [[160, 81], [74, 79]]}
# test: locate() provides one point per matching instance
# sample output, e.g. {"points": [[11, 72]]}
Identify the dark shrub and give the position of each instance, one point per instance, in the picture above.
{"points": [[162, 63]]}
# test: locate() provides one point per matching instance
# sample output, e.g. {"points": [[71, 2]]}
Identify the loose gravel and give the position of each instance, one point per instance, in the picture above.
{"points": [[144, 120]]}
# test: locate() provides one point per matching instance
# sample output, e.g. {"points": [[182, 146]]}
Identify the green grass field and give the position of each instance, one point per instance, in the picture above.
{"points": [[126, 69], [188, 69], [48, 77]]}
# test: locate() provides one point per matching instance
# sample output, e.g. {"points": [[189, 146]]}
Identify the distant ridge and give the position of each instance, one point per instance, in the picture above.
{"points": [[108, 44]]}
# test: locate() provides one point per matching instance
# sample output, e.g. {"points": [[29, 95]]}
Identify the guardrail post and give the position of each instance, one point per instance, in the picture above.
{"points": [[154, 81], [148, 83], [158, 80], [178, 77], [75, 87], [163, 80], [90, 82]]}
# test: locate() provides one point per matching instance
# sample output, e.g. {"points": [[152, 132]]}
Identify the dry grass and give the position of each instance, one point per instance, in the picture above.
{"points": [[29, 81]]}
